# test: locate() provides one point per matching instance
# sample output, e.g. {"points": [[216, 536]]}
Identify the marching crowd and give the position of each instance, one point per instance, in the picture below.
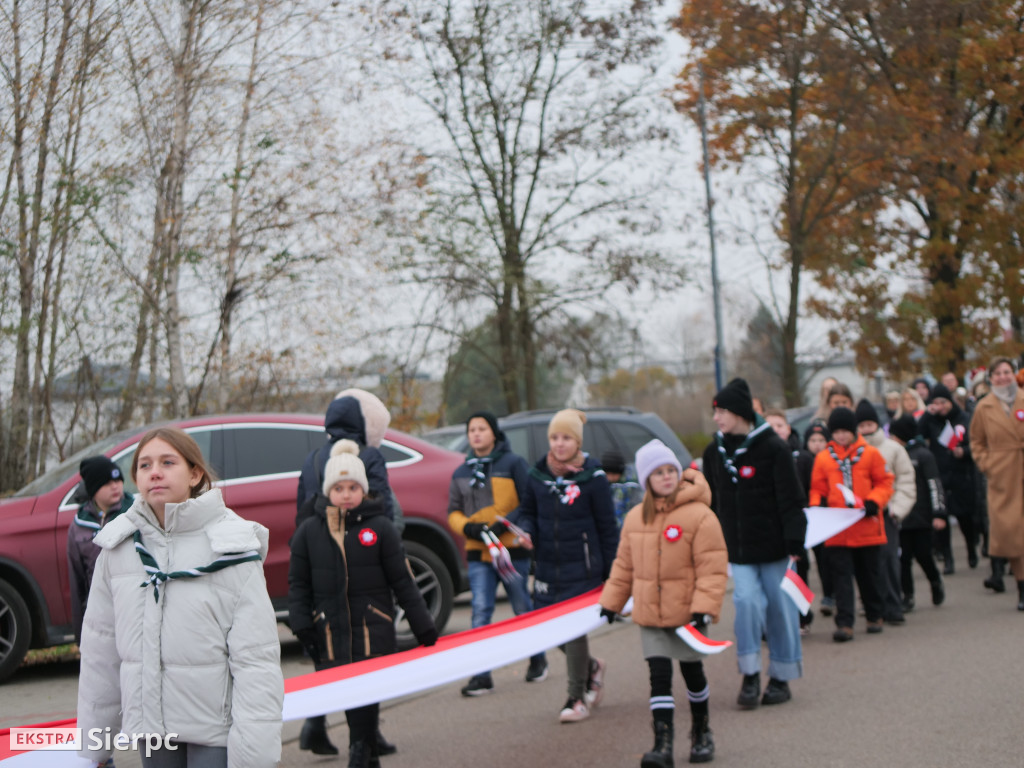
{"points": [[195, 652]]}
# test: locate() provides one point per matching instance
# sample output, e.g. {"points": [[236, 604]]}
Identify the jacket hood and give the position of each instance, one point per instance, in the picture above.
{"points": [[344, 420], [373, 413], [693, 488], [226, 531]]}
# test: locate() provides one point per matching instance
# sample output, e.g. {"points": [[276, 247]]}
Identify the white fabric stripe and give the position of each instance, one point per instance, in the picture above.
{"points": [[662, 702], [698, 696], [441, 667]]}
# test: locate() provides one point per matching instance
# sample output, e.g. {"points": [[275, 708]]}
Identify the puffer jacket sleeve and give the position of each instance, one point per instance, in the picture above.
{"points": [[300, 582], [881, 481], [619, 585], [525, 515], [399, 577], [818, 495], [711, 567], [904, 494], [456, 505], [789, 495], [603, 509], [257, 691], [99, 682]]}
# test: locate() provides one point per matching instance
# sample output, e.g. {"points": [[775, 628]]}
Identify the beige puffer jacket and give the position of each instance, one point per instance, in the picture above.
{"points": [[203, 661], [674, 567]]}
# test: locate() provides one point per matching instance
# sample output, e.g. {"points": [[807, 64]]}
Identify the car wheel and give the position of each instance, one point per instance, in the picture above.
{"points": [[435, 584], [15, 630]]}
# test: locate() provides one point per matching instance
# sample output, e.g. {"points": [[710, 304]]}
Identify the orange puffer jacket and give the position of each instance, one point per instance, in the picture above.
{"points": [[673, 567], [871, 481]]}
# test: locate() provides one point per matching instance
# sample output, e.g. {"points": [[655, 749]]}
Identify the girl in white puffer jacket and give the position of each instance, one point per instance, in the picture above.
{"points": [[180, 639]]}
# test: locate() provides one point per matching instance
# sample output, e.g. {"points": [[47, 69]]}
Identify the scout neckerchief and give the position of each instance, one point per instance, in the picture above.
{"points": [[567, 490], [156, 576], [846, 465], [478, 466], [760, 427], [86, 516]]}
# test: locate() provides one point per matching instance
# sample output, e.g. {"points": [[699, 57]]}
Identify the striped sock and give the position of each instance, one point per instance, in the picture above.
{"points": [[663, 708]]}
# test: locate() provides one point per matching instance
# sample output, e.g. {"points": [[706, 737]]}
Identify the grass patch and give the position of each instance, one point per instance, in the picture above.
{"points": [[66, 652]]}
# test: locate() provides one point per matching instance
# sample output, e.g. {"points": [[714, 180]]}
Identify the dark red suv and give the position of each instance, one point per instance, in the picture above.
{"points": [[257, 458]]}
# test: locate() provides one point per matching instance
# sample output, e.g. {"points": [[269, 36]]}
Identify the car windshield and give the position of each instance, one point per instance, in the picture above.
{"points": [[53, 477]]}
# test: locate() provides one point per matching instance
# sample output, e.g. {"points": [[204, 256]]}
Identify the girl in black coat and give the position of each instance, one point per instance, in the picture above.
{"points": [[347, 560]]}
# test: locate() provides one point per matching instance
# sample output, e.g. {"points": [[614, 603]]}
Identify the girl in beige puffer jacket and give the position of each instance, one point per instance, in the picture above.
{"points": [[673, 560]]}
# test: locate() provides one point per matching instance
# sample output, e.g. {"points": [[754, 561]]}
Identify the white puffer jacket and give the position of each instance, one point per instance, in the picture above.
{"points": [[203, 661], [897, 461]]}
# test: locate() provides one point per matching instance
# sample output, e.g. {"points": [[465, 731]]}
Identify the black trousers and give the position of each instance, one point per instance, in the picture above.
{"points": [[864, 564], [362, 723], [916, 545], [892, 597]]}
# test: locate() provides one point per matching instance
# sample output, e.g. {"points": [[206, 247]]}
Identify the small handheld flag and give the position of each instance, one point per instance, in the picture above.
{"points": [[699, 642], [797, 590]]}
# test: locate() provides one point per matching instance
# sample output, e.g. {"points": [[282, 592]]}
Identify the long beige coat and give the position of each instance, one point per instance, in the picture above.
{"points": [[997, 444]]}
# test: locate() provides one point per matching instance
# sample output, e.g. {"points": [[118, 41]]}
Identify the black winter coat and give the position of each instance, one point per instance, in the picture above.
{"points": [[574, 541], [345, 592], [930, 498], [957, 474], [762, 512]]}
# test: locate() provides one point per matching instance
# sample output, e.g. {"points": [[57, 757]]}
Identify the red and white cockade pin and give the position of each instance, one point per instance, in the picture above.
{"points": [[673, 533], [747, 472], [367, 537], [572, 493], [1020, 415]]}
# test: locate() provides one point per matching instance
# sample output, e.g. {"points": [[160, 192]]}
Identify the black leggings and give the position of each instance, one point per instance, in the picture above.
{"points": [[662, 704]]}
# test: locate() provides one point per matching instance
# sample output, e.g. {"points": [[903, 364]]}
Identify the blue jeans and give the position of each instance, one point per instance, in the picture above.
{"points": [[483, 584], [763, 608]]}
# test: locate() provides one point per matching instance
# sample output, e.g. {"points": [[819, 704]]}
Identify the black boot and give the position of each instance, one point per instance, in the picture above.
{"points": [[359, 754], [995, 581], [1020, 595], [314, 737], [750, 692], [660, 755], [938, 592], [383, 746], [949, 568], [702, 746]]}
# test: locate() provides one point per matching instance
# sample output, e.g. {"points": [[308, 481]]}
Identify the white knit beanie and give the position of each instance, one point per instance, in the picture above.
{"points": [[651, 456], [345, 464]]}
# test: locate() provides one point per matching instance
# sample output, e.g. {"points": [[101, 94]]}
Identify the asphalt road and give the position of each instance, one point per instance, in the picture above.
{"points": [[941, 691]]}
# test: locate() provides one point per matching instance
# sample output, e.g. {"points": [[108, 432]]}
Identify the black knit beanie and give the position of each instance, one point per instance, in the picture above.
{"points": [[97, 471], [735, 397], [612, 461], [940, 390], [492, 422], [866, 412], [905, 428], [817, 428], [842, 418]]}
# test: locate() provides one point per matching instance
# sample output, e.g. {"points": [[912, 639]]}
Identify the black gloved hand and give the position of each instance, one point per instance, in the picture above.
{"points": [[428, 638], [474, 531], [796, 549], [700, 620], [608, 614], [870, 508], [310, 643], [498, 528]]}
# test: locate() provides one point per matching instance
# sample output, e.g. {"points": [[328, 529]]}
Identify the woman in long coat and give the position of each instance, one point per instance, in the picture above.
{"points": [[997, 444]]}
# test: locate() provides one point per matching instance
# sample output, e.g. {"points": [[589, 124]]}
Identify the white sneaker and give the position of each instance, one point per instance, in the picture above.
{"points": [[574, 711], [595, 683]]}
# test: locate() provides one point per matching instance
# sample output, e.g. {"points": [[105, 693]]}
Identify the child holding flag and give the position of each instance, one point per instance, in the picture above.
{"points": [[849, 463], [673, 560]]}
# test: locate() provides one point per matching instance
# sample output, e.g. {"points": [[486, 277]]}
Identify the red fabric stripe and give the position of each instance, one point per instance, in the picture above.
{"points": [[5, 735], [457, 640]]}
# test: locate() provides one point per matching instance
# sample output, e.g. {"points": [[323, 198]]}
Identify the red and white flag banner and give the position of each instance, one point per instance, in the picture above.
{"points": [[387, 677], [700, 642], [951, 436], [797, 590]]}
